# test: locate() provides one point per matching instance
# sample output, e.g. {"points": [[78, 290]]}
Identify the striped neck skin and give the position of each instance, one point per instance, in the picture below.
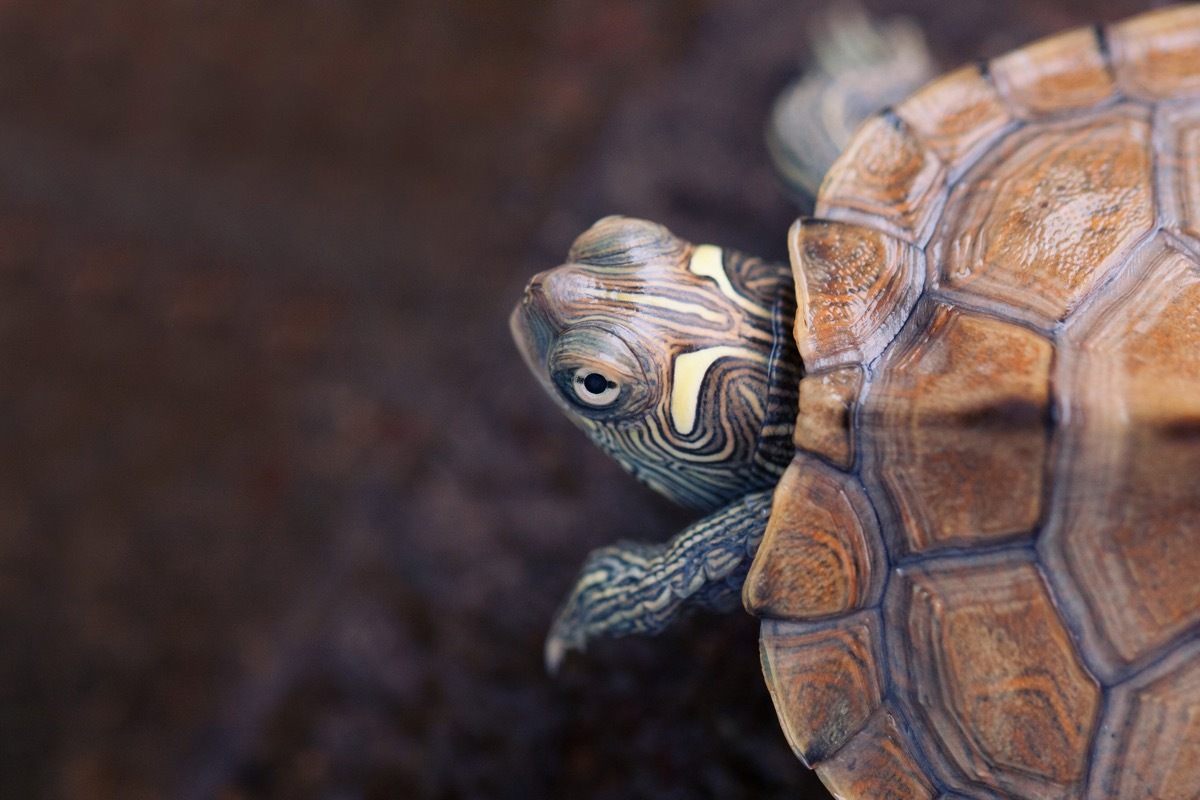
{"points": [[678, 360]]}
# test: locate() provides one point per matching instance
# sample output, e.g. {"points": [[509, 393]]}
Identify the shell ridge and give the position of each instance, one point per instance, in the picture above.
{"points": [[1180, 243], [1159, 187], [1135, 269], [932, 558], [1111, 773], [897, 652], [1156, 656], [1102, 712]]}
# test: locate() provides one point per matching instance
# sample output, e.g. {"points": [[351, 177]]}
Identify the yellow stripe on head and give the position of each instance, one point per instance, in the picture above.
{"points": [[708, 262], [688, 381], [627, 336]]}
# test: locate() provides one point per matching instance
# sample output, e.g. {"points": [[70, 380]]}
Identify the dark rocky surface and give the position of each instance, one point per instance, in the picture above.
{"points": [[281, 516]]}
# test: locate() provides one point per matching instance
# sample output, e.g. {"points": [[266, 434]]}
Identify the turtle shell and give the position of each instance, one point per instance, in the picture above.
{"points": [[981, 576]]}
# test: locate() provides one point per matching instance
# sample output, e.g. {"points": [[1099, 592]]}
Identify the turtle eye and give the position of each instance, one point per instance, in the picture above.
{"points": [[597, 373], [594, 388]]}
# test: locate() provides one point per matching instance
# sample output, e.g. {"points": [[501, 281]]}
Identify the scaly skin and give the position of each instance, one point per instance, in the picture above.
{"points": [[641, 588], [679, 361]]}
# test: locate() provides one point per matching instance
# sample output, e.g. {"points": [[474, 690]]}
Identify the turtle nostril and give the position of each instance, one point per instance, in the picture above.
{"points": [[535, 293]]}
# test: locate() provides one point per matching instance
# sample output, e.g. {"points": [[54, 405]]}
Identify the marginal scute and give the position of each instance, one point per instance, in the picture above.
{"points": [[824, 679], [955, 431], [1062, 73], [957, 116], [1157, 55], [1047, 215], [877, 763], [1124, 547], [854, 288], [887, 178], [822, 554], [989, 676], [825, 423], [1153, 749]]}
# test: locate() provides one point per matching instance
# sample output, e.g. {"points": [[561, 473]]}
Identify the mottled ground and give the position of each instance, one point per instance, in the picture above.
{"points": [[281, 516]]}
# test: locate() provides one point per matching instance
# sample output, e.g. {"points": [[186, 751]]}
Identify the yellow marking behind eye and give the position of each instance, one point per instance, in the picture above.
{"points": [[707, 262], [690, 369]]}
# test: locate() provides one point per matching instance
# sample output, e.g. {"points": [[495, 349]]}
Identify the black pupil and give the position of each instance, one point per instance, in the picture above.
{"points": [[595, 383]]}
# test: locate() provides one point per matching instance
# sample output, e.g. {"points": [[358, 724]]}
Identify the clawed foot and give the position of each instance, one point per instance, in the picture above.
{"points": [[637, 588], [621, 590]]}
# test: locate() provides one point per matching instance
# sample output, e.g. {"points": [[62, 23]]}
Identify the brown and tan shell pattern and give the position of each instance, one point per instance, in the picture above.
{"points": [[981, 576]]}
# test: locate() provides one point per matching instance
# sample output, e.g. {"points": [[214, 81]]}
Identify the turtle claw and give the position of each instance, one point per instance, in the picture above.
{"points": [[554, 653], [556, 649], [565, 635], [608, 599]]}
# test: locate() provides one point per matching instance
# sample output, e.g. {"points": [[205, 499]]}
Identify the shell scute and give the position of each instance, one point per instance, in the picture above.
{"points": [[1157, 55], [825, 423], [957, 116], [1124, 547], [877, 763], [1153, 749], [855, 287], [1067, 72], [955, 431], [886, 178], [989, 677], [1046, 215], [825, 680], [821, 554]]}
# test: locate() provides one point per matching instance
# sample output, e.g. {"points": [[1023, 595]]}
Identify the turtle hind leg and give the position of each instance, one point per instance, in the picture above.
{"points": [[862, 65], [640, 588]]}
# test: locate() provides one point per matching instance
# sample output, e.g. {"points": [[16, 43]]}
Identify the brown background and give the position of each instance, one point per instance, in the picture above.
{"points": [[281, 515]]}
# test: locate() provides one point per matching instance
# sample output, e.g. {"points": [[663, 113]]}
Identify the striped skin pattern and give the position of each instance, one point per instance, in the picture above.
{"points": [[677, 360], [641, 587], [689, 351]]}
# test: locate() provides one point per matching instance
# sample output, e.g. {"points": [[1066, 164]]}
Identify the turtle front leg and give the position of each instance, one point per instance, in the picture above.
{"points": [[634, 587]]}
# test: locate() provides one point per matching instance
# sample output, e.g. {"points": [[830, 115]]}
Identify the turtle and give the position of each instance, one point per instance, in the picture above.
{"points": [[950, 455]]}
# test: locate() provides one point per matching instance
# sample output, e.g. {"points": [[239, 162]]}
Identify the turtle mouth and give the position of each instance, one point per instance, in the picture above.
{"points": [[530, 328]]}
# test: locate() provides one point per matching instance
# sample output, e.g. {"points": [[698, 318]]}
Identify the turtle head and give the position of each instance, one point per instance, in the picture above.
{"points": [[677, 360]]}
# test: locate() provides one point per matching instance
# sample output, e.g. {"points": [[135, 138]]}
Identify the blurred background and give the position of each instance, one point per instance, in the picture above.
{"points": [[281, 514]]}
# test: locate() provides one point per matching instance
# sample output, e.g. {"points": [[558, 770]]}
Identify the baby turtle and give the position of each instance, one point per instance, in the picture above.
{"points": [[975, 549]]}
